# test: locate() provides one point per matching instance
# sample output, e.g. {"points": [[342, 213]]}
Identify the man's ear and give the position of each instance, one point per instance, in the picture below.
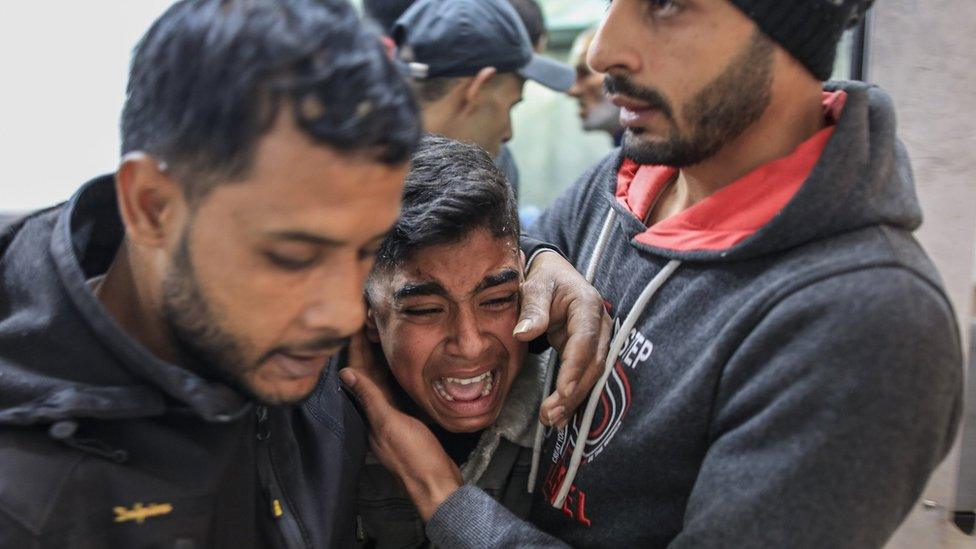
{"points": [[150, 201], [473, 90], [372, 333]]}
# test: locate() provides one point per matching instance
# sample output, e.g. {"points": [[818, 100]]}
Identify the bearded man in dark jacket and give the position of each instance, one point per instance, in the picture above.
{"points": [[160, 332], [165, 334]]}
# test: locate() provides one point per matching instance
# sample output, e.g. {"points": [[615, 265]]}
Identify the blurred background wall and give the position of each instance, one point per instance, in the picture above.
{"points": [[923, 53], [64, 70]]}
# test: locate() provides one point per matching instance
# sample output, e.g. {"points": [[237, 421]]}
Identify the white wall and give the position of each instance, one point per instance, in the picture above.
{"points": [[64, 66], [923, 53]]}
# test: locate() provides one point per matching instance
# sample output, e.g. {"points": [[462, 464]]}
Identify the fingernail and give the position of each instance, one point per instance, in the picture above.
{"points": [[556, 414], [347, 377], [522, 327]]}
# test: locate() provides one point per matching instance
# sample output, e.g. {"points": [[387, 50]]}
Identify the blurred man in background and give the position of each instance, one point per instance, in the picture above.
{"points": [[596, 111], [530, 12], [386, 12], [468, 62]]}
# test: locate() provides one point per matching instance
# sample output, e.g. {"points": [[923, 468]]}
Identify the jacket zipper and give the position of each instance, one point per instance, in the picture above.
{"points": [[285, 518]]}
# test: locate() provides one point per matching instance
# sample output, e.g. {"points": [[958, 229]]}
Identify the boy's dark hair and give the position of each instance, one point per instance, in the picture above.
{"points": [[530, 12], [210, 76], [452, 188]]}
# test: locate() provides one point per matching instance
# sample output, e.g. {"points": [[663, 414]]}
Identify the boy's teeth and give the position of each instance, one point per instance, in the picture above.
{"points": [[468, 380], [467, 389], [439, 387]]}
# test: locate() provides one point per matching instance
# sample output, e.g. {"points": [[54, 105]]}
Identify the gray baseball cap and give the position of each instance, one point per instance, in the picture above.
{"points": [[461, 37]]}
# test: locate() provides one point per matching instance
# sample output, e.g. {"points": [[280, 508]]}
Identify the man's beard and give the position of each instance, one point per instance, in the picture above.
{"points": [[715, 116], [201, 344]]}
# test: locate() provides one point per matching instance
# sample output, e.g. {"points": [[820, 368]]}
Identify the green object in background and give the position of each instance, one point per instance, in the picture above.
{"points": [[566, 18], [549, 144]]}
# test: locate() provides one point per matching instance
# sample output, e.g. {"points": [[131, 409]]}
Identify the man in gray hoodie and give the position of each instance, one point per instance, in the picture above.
{"points": [[786, 366]]}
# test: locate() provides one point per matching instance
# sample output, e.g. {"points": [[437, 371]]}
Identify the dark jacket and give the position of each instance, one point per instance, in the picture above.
{"points": [[795, 388], [104, 445]]}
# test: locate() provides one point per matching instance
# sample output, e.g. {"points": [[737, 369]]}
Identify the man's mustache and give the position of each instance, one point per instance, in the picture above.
{"points": [[324, 343], [625, 86]]}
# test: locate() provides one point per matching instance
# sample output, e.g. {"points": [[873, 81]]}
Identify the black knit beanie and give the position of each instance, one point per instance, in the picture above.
{"points": [[808, 29]]}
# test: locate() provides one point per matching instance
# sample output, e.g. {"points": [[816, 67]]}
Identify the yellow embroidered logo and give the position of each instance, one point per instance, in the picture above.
{"points": [[139, 513]]}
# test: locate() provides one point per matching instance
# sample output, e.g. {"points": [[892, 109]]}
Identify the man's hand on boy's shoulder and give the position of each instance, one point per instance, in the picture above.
{"points": [[559, 302]]}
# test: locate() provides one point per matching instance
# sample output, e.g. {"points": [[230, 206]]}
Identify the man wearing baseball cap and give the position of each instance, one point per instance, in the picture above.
{"points": [[786, 369], [467, 62]]}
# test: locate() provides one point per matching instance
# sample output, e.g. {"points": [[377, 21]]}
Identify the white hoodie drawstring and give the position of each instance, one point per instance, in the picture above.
{"points": [[540, 430], [615, 347]]}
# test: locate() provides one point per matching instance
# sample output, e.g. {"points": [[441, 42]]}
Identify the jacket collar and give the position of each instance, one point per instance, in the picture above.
{"points": [[736, 211], [86, 237]]}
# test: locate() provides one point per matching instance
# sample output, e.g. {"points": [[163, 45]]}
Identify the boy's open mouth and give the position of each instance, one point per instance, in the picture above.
{"points": [[467, 396]]}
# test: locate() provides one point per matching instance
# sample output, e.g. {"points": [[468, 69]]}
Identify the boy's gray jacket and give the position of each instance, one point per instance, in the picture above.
{"points": [[794, 390]]}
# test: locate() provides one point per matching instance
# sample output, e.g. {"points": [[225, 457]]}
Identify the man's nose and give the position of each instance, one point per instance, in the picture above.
{"points": [[335, 302], [612, 48]]}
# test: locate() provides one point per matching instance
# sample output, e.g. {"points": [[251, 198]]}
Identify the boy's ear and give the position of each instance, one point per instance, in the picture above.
{"points": [[372, 334]]}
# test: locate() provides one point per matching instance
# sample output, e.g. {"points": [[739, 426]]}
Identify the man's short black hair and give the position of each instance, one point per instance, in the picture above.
{"points": [[530, 12], [452, 188], [210, 76], [386, 12]]}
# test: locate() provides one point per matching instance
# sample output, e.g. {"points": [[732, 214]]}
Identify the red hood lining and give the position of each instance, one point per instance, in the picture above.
{"points": [[736, 211]]}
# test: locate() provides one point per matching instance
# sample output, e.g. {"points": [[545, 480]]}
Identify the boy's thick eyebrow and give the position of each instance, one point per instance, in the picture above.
{"points": [[434, 288], [424, 288], [503, 277]]}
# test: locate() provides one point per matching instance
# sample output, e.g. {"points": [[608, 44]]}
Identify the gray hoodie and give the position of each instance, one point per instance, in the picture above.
{"points": [[794, 388]]}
